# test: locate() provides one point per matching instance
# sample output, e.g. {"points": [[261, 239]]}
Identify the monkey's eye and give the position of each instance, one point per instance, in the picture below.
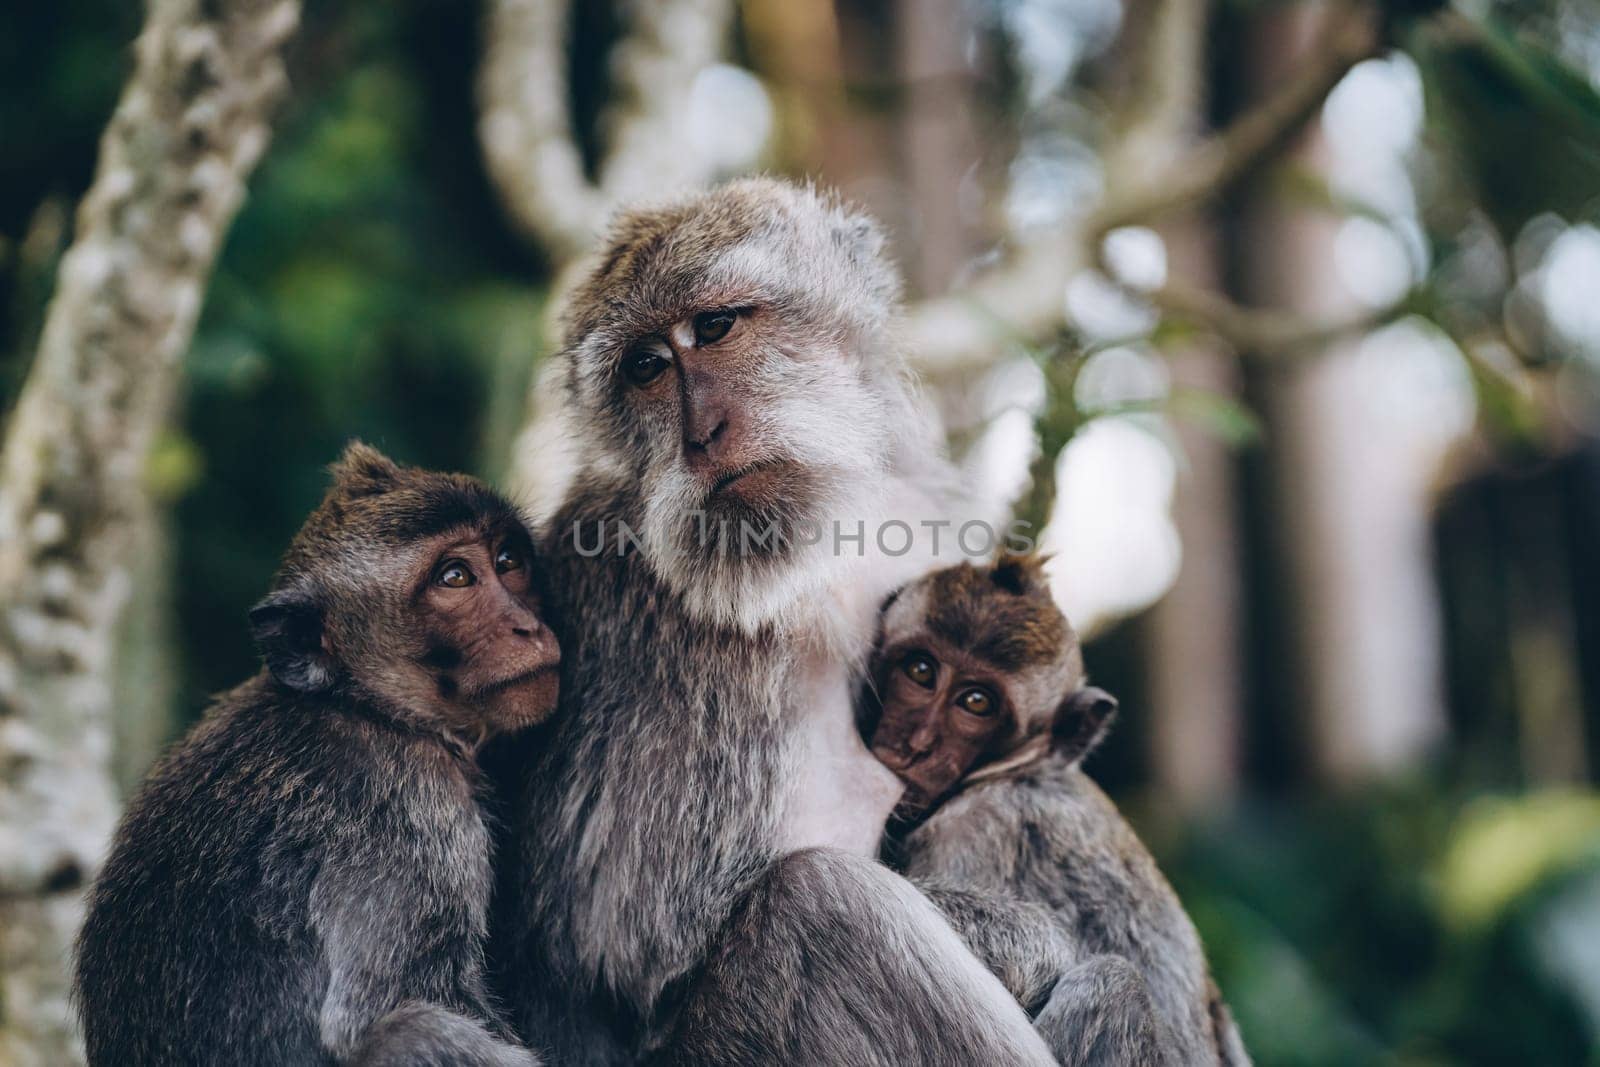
{"points": [[712, 326], [976, 702], [455, 575], [921, 669], [507, 560], [643, 366]]}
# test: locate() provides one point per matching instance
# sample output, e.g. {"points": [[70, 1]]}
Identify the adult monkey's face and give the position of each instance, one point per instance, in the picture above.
{"points": [[727, 352]]}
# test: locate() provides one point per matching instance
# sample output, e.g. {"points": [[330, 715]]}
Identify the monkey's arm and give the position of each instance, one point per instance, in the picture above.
{"points": [[443, 1017], [401, 931], [1100, 1015], [418, 1034], [1020, 941], [1093, 1010], [835, 959]]}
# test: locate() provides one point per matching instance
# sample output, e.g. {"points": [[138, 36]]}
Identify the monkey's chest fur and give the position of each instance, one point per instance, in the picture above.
{"points": [[663, 787]]}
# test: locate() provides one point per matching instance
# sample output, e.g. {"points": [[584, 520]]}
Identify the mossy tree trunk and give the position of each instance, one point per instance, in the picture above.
{"points": [[192, 123]]}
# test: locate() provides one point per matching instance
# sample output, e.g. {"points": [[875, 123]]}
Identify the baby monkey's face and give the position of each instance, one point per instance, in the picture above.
{"points": [[942, 710], [413, 590], [972, 663], [490, 657]]}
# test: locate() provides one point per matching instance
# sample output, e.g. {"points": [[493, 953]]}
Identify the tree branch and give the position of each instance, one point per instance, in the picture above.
{"points": [[525, 125], [1262, 332], [1018, 302], [1219, 161], [955, 332], [1166, 95], [192, 122]]}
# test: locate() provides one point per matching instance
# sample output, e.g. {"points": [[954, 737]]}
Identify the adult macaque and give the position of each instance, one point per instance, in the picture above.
{"points": [[694, 875], [305, 878], [1027, 857]]}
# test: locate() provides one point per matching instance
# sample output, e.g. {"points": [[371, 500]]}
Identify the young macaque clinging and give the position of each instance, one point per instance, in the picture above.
{"points": [[305, 878], [984, 715]]}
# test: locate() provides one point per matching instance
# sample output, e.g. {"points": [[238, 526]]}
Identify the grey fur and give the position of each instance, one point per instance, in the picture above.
{"points": [[310, 857], [425, 1035], [1047, 837], [811, 971], [649, 825], [292, 871], [1100, 1013], [650, 828]]}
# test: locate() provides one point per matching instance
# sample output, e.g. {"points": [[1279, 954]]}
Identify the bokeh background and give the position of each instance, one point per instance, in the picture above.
{"points": [[1285, 317]]}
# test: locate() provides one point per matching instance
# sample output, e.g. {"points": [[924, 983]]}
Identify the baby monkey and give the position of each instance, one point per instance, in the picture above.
{"points": [[305, 878], [983, 714]]}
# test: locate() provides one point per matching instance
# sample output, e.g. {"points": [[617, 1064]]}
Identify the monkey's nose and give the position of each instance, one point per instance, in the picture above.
{"points": [[706, 433], [704, 444]]}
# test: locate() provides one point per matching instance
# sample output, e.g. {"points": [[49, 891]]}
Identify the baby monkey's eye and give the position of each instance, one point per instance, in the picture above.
{"points": [[920, 668], [976, 702], [712, 326], [507, 560], [455, 575]]}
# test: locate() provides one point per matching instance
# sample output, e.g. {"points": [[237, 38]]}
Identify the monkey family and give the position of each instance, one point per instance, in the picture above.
{"points": [[683, 863]]}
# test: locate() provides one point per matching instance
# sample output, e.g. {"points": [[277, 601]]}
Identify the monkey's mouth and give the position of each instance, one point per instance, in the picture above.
{"points": [[516, 681], [926, 775], [892, 758], [751, 479]]}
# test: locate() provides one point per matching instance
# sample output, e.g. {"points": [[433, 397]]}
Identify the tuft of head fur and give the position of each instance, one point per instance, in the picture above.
{"points": [[1004, 613], [364, 471], [371, 498]]}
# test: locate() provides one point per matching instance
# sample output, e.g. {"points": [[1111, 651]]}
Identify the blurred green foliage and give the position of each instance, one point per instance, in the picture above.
{"points": [[1508, 108], [1335, 927]]}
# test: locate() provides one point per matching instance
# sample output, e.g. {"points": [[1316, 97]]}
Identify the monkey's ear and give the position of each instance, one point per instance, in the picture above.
{"points": [[1019, 574], [867, 247], [1082, 722], [364, 471], [287, 627]]}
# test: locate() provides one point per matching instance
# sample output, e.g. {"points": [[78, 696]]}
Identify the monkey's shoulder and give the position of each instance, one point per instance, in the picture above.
{"points": [[1045, 822], [1050, 789], [264, 772]]}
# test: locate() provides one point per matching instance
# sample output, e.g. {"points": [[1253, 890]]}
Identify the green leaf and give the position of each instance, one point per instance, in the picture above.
{"points": [[1217, 414], [1524, 127]]}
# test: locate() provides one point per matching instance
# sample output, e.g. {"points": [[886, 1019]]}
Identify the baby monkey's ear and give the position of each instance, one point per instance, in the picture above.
{"points": [[1020, 573], [1082, 722], [287, 627], [363, 471]]}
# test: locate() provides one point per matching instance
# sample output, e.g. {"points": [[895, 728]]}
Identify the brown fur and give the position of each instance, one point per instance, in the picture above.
{"points": [[1003, 614], [305, 877], [1026, 856]]}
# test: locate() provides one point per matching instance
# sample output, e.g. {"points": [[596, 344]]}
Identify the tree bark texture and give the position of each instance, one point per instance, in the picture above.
{"points": [[525, 123], [192, 122]]}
